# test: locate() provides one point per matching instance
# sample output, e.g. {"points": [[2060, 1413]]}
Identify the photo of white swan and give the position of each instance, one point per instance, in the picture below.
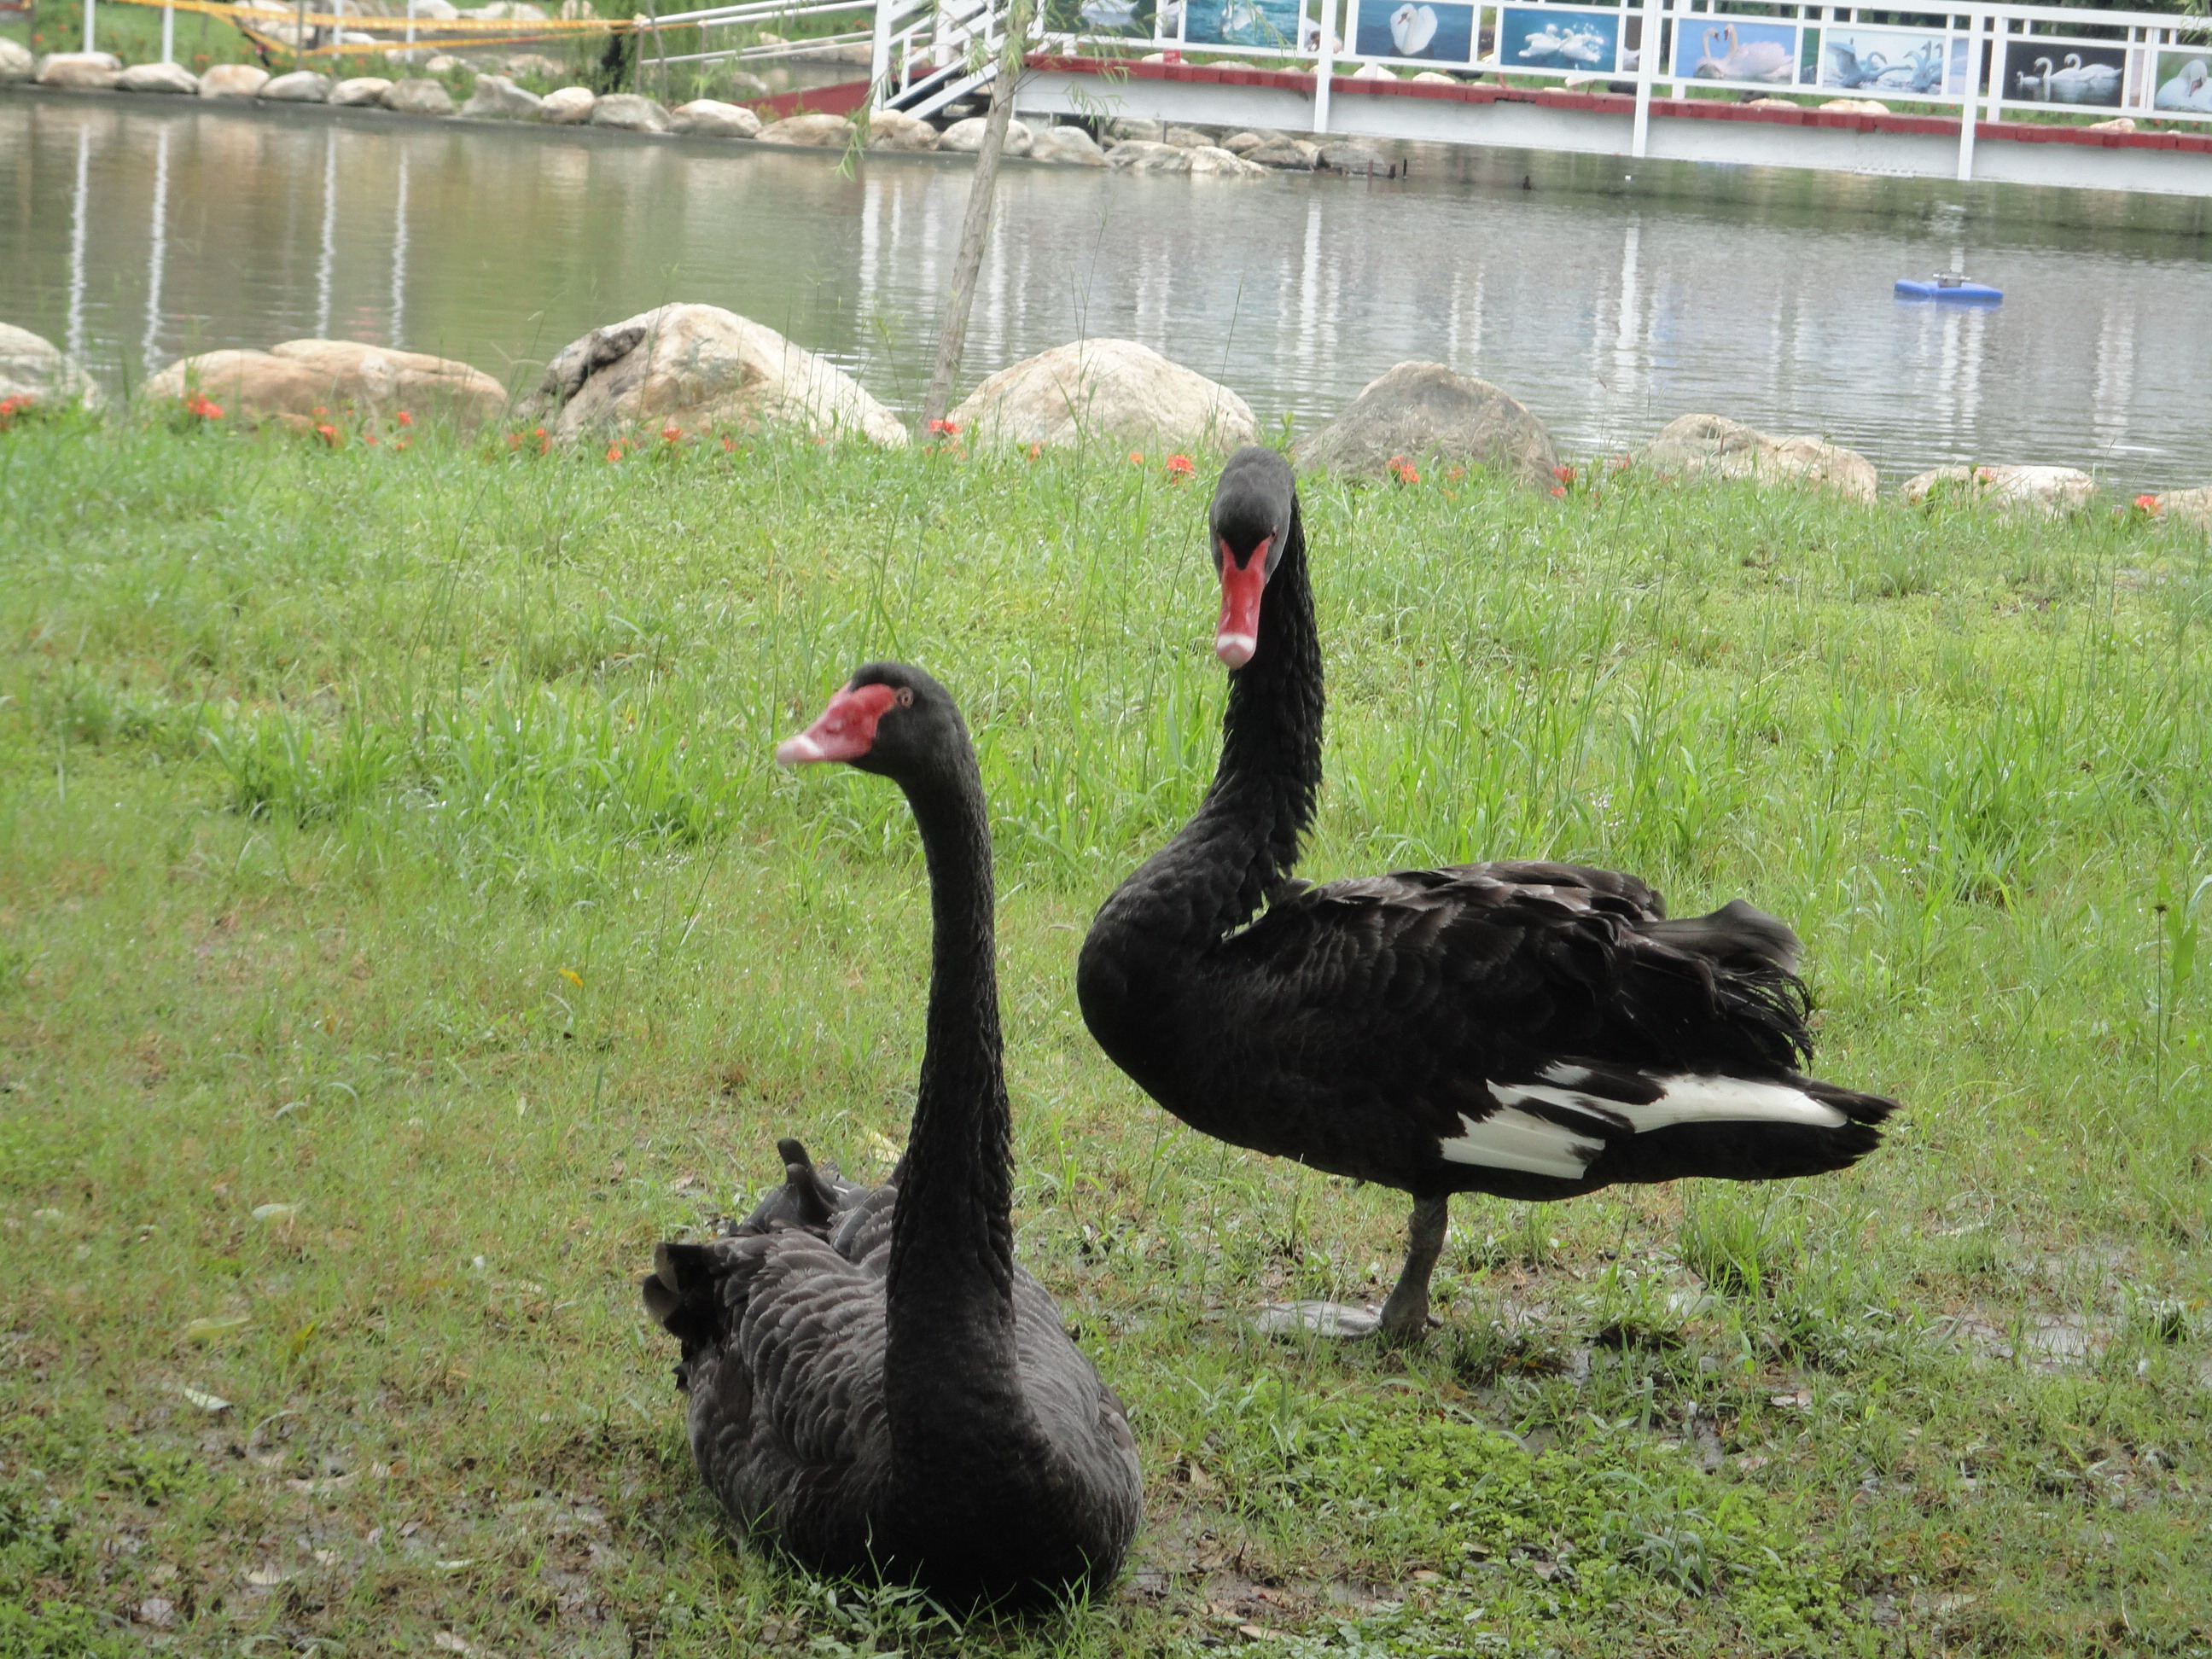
{"points": [[2186, 83], [2077, 72], [1543, 37], [1126, 18], [1764, 54], [1241, 23], [1891, 62], [1419, 29]]}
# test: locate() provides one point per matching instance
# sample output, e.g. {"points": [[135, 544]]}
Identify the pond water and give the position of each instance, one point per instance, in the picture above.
{"points": [[1609, 296]]}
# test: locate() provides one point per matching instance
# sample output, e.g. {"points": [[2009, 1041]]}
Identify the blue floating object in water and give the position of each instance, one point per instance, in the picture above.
{"points": [[1949, 287]]}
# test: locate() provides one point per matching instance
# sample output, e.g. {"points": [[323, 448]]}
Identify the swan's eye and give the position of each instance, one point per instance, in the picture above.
{"points": [[906, 696]]}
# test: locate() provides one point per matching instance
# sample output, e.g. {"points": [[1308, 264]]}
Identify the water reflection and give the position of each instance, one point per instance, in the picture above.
{"points": [[141, 231]]}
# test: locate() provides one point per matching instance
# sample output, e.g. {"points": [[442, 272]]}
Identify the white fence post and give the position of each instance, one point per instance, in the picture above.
{"points": [[1325, 66], [88, 25], [879, 53], [1647, 59], [1970, 106], [168, 34]]}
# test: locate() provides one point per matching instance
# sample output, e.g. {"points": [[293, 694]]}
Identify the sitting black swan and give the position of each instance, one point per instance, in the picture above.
{"points": [[875, 1388], [1532, 1030]]}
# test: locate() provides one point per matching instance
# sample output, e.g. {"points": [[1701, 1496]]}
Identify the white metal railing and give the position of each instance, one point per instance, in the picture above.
{"points": [[1982, 62], [756, 13]]}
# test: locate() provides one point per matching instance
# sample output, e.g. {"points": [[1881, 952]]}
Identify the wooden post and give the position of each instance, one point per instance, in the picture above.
{"points": [[976, 228]]}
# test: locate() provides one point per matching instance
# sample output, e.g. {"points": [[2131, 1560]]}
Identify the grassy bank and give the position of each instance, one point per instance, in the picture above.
{"points": [[402, 926]]}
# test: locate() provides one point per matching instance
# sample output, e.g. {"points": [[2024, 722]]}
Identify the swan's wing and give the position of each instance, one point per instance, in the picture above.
{"points": [[1527, 1017], [783, 1345]]}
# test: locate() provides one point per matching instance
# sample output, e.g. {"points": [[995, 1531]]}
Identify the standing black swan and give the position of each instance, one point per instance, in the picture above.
{"points": [[1534, 1030], [875, 1388]]}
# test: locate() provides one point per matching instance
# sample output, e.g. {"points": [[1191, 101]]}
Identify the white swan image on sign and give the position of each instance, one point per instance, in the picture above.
{"points": [[1412, 28], [2189, 88], [1541, 38], [1420, 29], [1747, 51], [2041, 71], [1127, 18], [1109, 14], [1241, 23], [1585, 48]]}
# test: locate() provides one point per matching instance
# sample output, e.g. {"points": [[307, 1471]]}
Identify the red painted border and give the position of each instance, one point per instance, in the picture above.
{"points": [[840, 97], [1614, 103]]}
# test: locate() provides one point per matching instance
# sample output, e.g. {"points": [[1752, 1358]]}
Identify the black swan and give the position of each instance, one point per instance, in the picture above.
{"points": [[1532, 1030], [875, 1388]]}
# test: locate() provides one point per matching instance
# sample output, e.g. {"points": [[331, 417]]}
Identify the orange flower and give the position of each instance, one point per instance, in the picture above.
{"points": [[2147, 504], [1180, 466], [671, 433], [729, 445], [368, 437], [945, 428], [328, 433], [1402, 470], [1565, 474], [199, 404], [1558, 489], [614, 451], [319, 410], [405, 419], [1136, 457], [1037, 451]]}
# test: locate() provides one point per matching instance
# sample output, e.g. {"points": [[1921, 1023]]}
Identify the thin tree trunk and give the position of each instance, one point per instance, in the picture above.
{"points": [[976, 228]]}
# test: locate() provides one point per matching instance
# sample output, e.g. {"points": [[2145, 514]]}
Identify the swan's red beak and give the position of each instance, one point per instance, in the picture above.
{"points": [[1237, 638], [846, 730]]}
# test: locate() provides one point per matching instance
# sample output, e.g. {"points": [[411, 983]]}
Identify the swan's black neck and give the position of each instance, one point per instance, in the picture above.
{"points": [[1240, 849], [950, 1341]]}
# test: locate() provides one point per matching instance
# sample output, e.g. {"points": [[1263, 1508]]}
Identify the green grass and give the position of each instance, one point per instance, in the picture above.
{"points": [[393, 837]]}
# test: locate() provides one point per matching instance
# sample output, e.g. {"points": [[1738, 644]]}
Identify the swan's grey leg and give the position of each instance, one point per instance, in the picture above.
{"points": [[1405, 1316], [1406, 1313]]}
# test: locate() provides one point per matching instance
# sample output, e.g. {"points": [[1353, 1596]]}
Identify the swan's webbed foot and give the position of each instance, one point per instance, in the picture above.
{"points": [[1403, 1317]]}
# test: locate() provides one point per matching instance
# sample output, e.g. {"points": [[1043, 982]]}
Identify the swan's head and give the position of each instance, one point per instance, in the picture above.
{"points": [[1247, 527], [889, 718]]}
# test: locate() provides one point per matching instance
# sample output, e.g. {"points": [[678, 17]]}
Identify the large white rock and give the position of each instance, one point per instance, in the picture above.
{"points": [[1143, 155], [172, 78], [709, 117], [630, 113], [817, 131], [34, 368], [495, 98], [2189, 506], [1206, 162], [1714, 447], [1071, 146], [300, 86], [360, 91], [569, 106], [1098, 390], [232, 80], [420, 97], [2048, 490], [1416, 411], [894, 129], [967, 136], [288, 383], [16, 63], [700, 368], [80, 71]]}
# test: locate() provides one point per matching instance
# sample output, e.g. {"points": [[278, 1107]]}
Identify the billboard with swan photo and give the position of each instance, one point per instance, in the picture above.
{"points": [[1272, 24], [1893, 63], [1416, 29], [2185, 81], [1553, 37], [2077, 72], [1715, 48]]}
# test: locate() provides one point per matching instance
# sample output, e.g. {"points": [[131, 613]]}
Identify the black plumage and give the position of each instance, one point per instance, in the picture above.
{"points": [[1534, 1030], [875, 1386]]}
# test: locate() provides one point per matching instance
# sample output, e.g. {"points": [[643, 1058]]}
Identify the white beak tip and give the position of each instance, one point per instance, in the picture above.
{"points": [[795, 751], [1236, 649]]}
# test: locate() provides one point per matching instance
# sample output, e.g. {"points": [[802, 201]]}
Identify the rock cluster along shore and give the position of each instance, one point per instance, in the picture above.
{"points": [[1129, 145], [698, 371]]}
